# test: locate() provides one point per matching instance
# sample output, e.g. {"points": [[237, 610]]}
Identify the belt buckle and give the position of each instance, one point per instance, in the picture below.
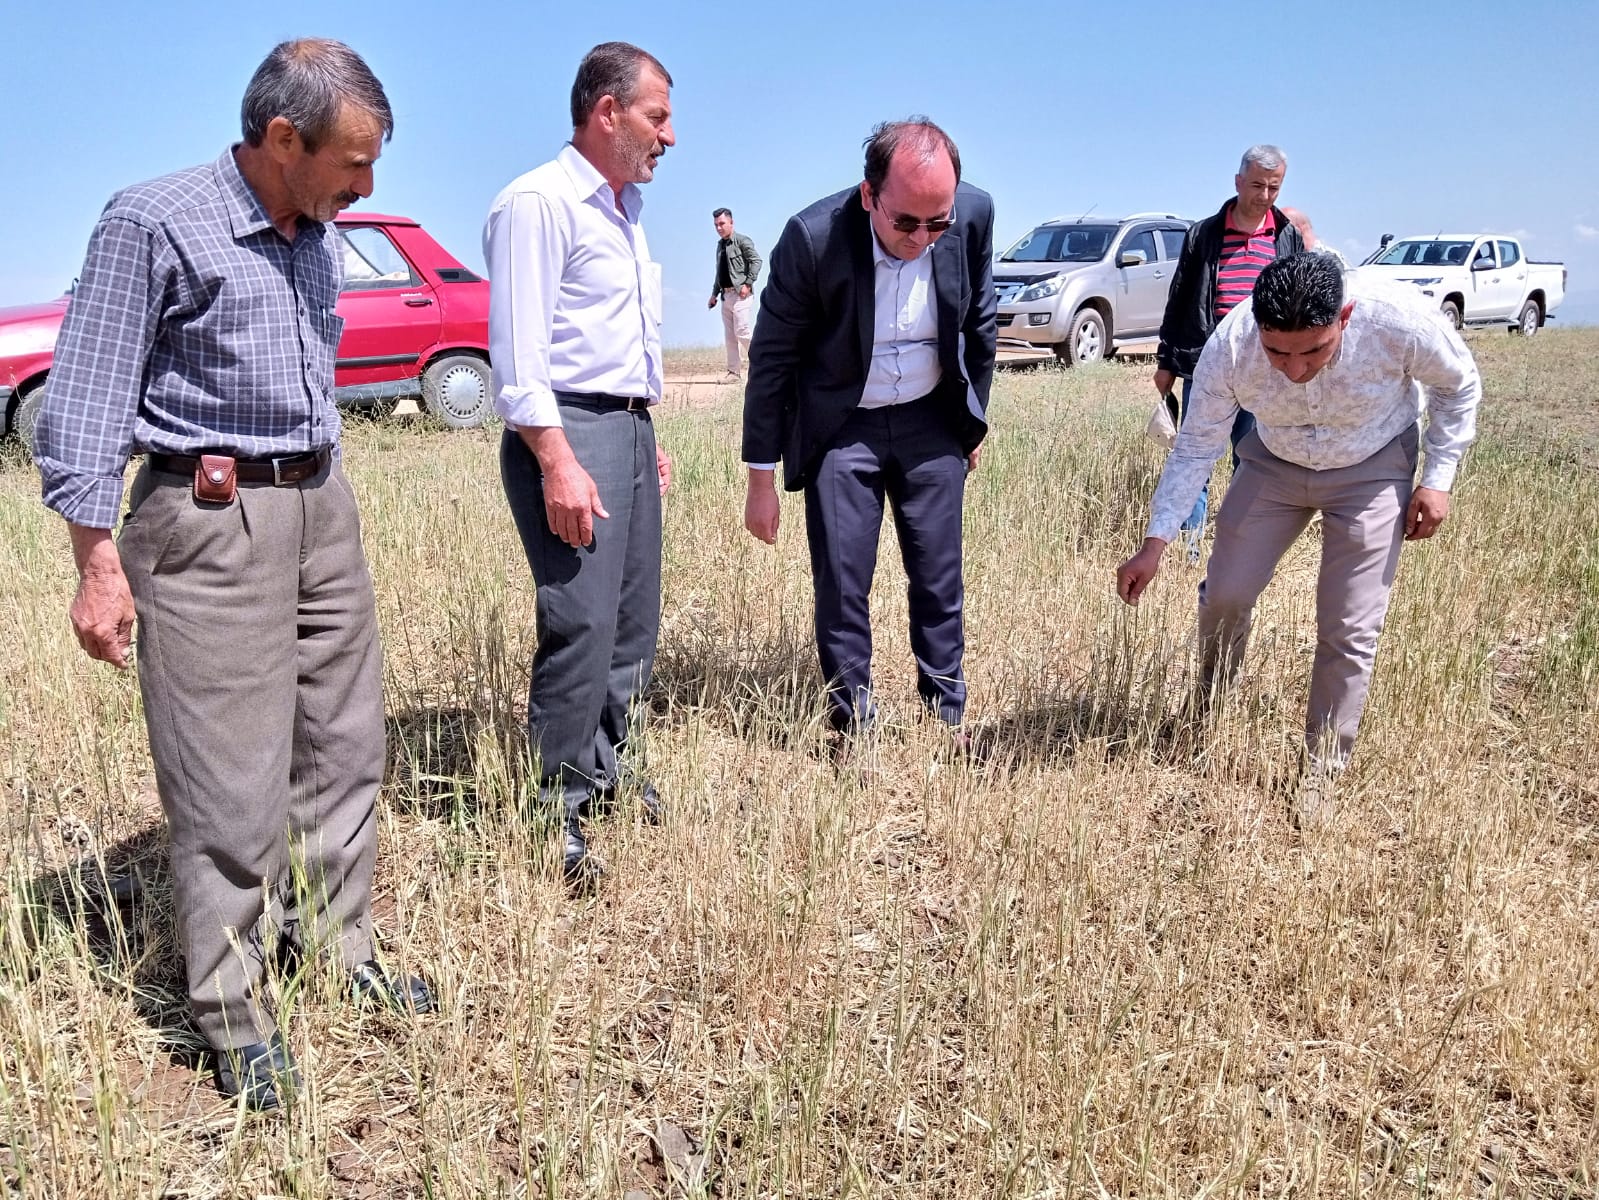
{"points": [[637, 403], [277, 473]]}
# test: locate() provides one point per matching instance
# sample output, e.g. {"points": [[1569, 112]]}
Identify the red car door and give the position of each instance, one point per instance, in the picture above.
{"points": [[391, 314]]}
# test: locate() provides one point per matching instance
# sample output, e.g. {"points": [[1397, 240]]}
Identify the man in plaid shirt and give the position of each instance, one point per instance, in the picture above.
{"points": [[203, 333]]}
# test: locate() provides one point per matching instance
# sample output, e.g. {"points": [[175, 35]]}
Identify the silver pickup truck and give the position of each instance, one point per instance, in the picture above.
{"points": [[1087, 286]]}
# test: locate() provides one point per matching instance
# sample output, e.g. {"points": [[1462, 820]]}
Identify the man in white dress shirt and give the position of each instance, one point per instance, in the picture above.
{"points": [[1336, 381], [869, 378], [574, 333]]}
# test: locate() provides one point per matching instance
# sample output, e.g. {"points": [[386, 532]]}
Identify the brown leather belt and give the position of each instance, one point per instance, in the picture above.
{"points": [[279, 472]]}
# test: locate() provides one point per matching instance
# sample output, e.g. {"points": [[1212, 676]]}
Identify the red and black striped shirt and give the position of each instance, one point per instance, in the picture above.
{"points": [[1243, 256]]}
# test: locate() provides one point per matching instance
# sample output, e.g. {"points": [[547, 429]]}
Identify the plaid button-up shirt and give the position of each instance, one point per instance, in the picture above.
{"points": [[195, 327]]}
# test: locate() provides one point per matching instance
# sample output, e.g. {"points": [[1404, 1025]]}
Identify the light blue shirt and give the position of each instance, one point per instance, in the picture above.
{"points": [[904, 330]]}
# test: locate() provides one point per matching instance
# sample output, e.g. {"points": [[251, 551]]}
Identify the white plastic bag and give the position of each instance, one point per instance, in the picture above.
{"points": [[1162, 430]]}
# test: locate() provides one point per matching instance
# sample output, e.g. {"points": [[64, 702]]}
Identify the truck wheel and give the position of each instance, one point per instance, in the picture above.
{"points": [[1531, 317], [1451, 312], [458, 389], [27, 414], [1086, 342]]}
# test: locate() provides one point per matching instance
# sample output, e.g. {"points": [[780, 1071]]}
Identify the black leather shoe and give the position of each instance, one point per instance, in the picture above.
{"points": [[580, 869], [373, 987], [262, 1074], [653, 807]]}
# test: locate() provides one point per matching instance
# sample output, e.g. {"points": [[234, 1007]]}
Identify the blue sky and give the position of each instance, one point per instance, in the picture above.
{"points": [[1397, 118]]}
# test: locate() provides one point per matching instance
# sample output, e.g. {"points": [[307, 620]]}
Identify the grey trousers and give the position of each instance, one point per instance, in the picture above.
{"points": [[597, 607], [1268, 505], [259, 665]]}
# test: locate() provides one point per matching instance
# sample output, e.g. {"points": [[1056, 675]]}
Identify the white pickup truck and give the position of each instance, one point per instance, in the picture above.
{"points": [[1477, 278]]}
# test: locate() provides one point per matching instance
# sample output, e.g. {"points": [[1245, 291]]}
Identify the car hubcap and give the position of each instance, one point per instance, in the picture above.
{"points": [[1529, 322], [1088, 341], [462, 393]]}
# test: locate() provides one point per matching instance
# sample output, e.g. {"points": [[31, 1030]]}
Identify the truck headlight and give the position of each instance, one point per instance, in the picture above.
{"points": [[1042, 290]]}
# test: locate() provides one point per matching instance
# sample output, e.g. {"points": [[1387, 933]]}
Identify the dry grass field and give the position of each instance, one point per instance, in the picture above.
{"points": [[1098, 964]]}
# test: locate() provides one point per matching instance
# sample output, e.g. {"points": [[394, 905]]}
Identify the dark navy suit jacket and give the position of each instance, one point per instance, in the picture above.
{"points": [[813, 341]]}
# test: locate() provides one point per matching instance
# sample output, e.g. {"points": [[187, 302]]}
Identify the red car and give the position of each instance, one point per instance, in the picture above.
{"points": [[416, 323]]}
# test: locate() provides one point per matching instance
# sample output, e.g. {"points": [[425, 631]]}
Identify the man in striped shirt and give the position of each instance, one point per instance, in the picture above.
{"points": [[1222, 257]]}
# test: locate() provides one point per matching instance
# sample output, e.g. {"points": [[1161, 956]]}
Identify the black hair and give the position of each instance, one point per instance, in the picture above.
{"points": [[1299, 292]]}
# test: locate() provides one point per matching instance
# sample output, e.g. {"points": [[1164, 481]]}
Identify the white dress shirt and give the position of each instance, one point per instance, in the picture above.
{"points": [[574, 302], [1399, 357], [904, 329]]}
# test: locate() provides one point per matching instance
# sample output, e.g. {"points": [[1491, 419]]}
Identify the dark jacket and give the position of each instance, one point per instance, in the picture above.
{"points": [[743, 263], [1191, 303], [813, 341]]}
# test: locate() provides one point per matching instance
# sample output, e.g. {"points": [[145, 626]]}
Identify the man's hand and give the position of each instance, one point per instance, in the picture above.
{"points": [[1428, 508], [972, 459], [663, 467], [711, 303], [102, 611], [571, 501], [760, 506], [1165, 381], [1134, 575], [744, 292]]}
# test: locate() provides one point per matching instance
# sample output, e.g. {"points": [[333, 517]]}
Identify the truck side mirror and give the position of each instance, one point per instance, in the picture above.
{"points": [[1483, 264], [1131, 258]]}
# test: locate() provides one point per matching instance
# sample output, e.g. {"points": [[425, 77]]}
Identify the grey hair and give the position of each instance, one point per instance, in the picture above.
{"points": [[1265, 156], [611, 69], [306, 82]]}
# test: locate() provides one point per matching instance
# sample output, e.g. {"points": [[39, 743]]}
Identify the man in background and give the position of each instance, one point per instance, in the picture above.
{"points": [[737, 265], [1222, 257], [1307, 234]]}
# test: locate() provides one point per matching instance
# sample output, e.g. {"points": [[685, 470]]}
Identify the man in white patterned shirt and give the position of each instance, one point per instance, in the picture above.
{"points": [[1336, 382]]}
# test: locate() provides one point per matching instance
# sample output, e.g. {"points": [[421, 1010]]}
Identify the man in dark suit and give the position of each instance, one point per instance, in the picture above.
{"points": [[869, 379]]}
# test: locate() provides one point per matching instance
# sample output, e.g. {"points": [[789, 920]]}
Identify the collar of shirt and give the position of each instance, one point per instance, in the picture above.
{"points": [[588, 182], [904, 364], [246, 213], [1267, 226]]}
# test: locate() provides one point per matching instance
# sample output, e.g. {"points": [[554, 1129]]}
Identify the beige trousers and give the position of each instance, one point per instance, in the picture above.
{"points": [[259, 665], [1269, 503], [736, 321]]}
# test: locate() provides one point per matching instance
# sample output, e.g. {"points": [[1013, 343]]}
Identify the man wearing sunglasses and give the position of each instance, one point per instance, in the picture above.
{"points": [[869, 378]]}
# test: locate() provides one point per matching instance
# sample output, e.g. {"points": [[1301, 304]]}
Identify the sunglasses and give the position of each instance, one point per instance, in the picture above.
{"points": [[908, 224]]}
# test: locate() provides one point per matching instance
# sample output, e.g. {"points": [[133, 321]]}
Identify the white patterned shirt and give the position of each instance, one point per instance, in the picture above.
{"points": [[575, 302], [1399, 358]]}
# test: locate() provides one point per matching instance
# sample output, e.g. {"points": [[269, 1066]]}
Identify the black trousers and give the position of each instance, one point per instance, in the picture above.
{"points": [[908, 455]]}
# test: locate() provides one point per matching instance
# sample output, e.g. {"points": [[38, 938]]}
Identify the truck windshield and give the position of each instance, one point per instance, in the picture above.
{"points": [[1062, 243], [1425, 252]]}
